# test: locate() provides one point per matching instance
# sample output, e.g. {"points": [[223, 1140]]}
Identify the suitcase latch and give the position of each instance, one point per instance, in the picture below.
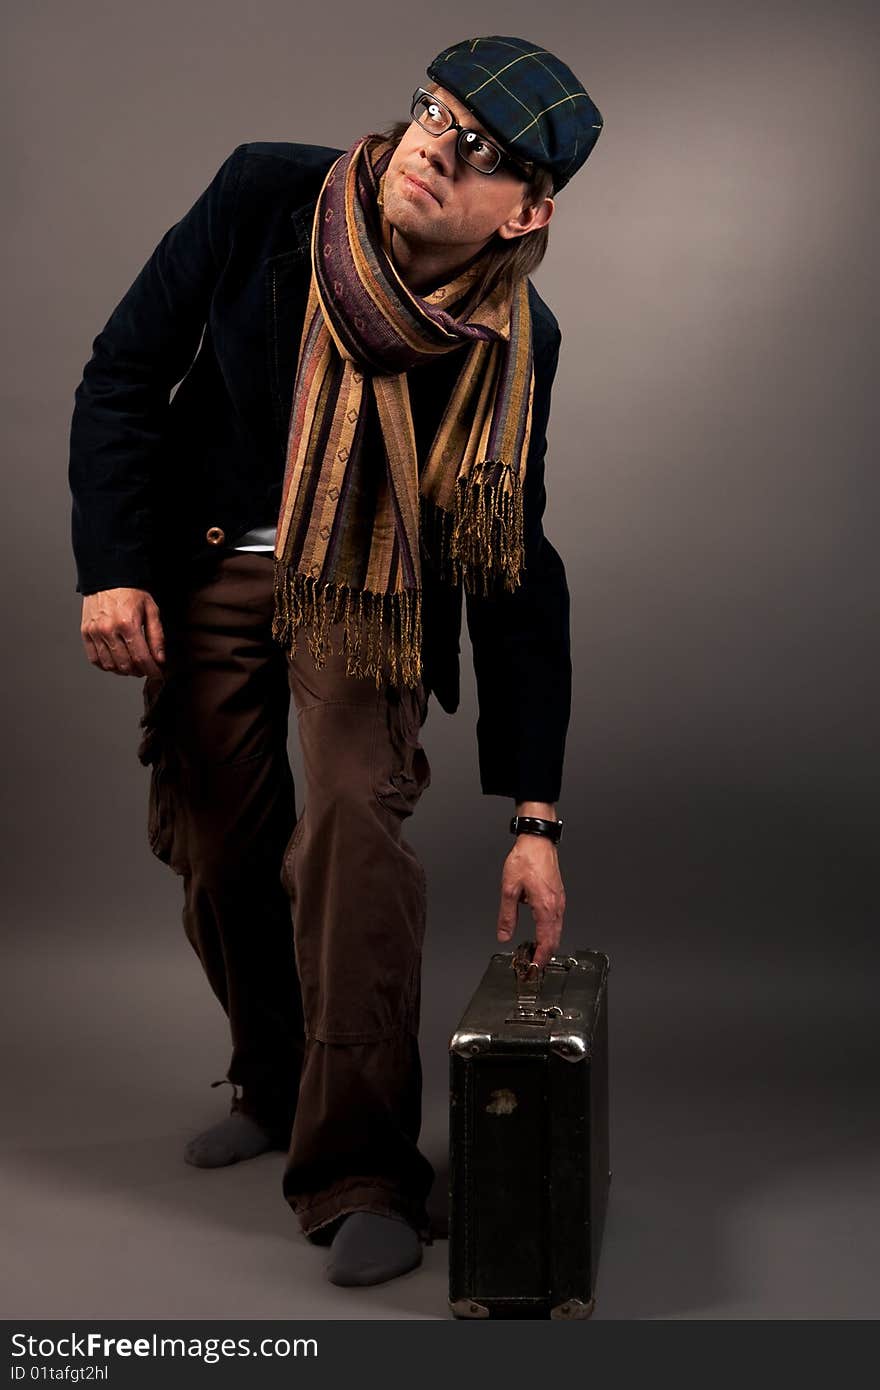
{"points": [[539, 1014]]}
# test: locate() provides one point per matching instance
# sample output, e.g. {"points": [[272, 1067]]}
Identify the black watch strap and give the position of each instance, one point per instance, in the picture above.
{"points": [[537, 825]]}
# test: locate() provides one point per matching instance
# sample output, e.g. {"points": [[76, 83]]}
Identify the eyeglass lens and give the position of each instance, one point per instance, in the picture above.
{"points": [[436, 118]]}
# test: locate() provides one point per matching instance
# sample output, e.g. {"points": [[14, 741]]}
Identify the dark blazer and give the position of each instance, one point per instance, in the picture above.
{"points": [[217, 312]]}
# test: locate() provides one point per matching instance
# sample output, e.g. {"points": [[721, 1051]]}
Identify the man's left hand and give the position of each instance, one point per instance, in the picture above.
{"points": [[531, 874]]}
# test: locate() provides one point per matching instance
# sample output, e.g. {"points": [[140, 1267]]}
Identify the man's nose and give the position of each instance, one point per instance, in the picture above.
{"points": [[440, 151]]}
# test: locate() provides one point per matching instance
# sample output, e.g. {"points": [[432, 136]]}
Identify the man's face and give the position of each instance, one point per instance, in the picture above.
{"points": [[463, 207]]}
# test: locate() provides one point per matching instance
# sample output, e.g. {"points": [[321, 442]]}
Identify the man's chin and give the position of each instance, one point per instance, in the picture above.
{"points": [[404, 216]]}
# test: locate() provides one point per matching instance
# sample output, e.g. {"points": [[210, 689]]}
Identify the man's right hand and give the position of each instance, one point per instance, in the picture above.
{"points": [[122, 632]]}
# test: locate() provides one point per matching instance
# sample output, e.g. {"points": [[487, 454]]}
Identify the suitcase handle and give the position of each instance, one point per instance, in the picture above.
{"points": [[528, 984]]}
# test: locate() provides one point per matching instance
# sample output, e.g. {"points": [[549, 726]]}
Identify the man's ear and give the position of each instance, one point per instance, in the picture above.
{"points": [[529, 218]]}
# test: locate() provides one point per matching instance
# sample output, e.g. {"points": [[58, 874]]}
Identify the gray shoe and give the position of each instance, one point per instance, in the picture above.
{"points": [[236, 1138], [370, 1247], [232, 1140]]}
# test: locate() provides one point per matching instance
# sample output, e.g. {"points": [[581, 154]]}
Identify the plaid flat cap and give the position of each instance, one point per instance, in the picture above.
{"points": [[524, 96]]}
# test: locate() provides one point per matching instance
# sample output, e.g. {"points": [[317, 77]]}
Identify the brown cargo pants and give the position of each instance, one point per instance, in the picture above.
{"points": [[310, 928]]}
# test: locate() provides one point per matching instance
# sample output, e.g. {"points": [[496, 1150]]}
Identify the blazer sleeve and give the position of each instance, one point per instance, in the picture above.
{"points": [[521, 641], [121, 404]]}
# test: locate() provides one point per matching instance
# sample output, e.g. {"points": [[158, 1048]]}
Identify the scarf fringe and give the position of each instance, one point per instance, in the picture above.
{"points": [[481, 541], [484, 526], [383, 632], [487, 534]]}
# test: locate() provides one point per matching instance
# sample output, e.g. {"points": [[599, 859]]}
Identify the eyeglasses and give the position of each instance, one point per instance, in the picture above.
{"points": [[477, 150]]}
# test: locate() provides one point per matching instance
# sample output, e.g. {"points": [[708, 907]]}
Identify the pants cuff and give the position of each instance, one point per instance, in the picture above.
{"points": [[320, 1216]]}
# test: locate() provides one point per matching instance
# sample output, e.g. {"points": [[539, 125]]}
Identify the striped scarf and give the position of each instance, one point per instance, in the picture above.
{"points": [[348, 545]]}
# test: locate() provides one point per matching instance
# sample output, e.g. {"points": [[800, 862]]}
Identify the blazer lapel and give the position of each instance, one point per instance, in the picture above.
{"points": [[302, 219], [286, 292]]}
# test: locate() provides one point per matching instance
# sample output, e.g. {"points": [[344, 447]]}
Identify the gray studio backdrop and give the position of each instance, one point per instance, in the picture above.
{"points": [[712, 488]]}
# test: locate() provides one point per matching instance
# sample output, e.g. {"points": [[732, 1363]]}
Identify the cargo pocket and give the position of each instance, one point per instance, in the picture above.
{"points": [[400, 767], [154, 752]]}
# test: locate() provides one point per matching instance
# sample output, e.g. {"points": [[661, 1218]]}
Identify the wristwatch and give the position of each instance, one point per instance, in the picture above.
{"points": [[537, 825]]}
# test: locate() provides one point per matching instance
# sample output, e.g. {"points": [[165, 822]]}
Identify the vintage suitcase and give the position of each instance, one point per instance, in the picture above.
{"points": [[528, 1138]]}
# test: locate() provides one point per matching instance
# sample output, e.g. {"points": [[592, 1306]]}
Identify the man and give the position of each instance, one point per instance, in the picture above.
{"points": [[356, 442]]}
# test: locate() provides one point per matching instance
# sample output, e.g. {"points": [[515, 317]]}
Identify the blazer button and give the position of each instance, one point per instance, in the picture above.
{"points": [[215, 535]]}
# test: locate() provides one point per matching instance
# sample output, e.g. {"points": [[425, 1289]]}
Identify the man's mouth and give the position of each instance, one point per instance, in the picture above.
{"points": [[419, 183]]}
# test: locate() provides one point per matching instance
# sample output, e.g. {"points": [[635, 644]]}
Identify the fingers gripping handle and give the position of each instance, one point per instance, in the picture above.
{"points": [[530, 981]]}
